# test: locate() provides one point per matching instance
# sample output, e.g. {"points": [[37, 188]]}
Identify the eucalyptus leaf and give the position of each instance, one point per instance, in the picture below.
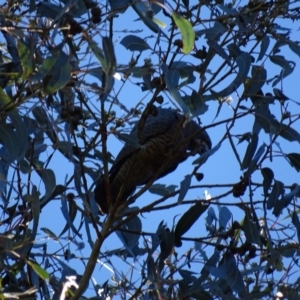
{"points": [[184, 187], [134, 43], [294, 159], [243, 62], [187, 32]]}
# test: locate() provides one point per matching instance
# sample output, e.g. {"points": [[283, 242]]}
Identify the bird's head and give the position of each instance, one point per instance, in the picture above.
{"points": [[200, 142]]}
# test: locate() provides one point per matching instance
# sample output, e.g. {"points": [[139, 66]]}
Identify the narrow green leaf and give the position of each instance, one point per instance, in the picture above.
{"points": [[38, 270], [251, 148], [243, 62], [228, 10], [253, 164], [77, 10], [204, 272], [287, 132], [36, 209], [296, 223], [5, 101], [166, 245], [287, 67], [25, 167], [234, 50], [184, 187], [172, 75], [156, 6], [277, 261], [98, 53], [294, 159], [151, 272], [197, 104], [287, 198], [254, 84], [21, 131], [233, 276], [50, 233], [108, 62], [170, 78], [142, 9], [66, 148], [119, 6], [40, 115], [277, 191], [278, 207], [55, 71], [203, 158], [186, 3], [294, 46], [130, 234], [49, 180], [109, 53], [26, 57], [61, 78], [270, 125], [268, 176], [224, 216], [212, 33], [69, 211], [159, 22], [187, 32], [288, 250], [279, 95], [251, 231], [48, 10], [188, 219], [134, 43], [264, 45], [9, 140], [186, 72], [219, 50], [159, 189]]}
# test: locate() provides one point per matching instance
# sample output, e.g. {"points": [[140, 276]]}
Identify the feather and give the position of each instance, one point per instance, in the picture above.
{"points": [[164, 144]]}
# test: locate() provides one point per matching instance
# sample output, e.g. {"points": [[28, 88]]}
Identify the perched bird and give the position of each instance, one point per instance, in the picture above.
{"points": [[164, 143]]}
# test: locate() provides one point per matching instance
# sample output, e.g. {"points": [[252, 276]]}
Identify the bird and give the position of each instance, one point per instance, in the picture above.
{"points": [[163, 143]]}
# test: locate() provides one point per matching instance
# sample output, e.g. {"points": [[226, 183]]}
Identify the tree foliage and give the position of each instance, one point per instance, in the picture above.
{"points": [[75, 76]]}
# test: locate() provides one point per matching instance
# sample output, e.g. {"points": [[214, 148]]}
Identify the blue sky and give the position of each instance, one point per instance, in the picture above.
{"points": [[221, 168]]}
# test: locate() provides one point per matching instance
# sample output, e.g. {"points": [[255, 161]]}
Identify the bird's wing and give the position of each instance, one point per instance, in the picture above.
{"points": [[154, 126]]}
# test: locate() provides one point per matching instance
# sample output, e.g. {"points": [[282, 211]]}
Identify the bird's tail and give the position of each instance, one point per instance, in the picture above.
{"points": [[100, 196]]}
